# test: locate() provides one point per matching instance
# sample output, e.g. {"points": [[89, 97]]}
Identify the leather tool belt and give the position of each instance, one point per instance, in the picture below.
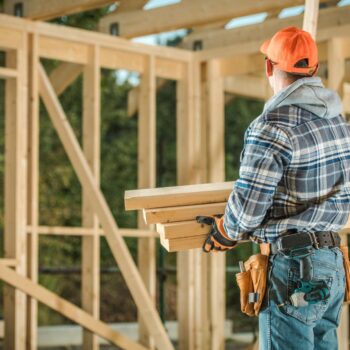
{"points": [[288, 244], [253, 280]]}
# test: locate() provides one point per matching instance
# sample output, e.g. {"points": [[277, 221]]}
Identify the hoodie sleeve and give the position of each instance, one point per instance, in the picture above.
{"points": [[267, 151]]}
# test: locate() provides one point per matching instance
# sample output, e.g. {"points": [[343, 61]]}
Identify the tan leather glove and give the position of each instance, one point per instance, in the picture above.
{"points": [[218, 239]]}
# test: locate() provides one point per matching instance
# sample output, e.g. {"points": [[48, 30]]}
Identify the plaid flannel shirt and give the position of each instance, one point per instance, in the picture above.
{"points": [[294, 174]]}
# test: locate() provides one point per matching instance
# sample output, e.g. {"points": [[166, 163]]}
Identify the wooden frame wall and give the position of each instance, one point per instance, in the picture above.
{"points": [[202, 77], [87, 54]]}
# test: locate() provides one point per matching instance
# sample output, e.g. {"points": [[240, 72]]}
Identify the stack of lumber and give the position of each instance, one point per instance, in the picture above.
{"points": [[174, 209]]}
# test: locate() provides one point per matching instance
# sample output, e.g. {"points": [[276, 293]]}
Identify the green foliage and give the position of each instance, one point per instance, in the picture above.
{"points": [[239, 113], [60, 191]]}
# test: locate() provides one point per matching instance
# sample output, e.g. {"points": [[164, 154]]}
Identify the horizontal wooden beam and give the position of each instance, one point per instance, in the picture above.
{"points": [[186, 15], [99, 205], [248, 86], [11, 31], [177, 196], [8, 262], [128, 5], [63, 50], [182, 229], [66, 309], [241, 64], [182, 213], [248, 39], [180, 244], [84, 231], [44, 10], [6, 73], [264, 30]]}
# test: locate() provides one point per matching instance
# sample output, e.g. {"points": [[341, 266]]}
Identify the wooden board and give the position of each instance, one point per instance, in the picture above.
{"points": [[64, 75], [146, 177], [85, 231], [15, 193], [178, 195], [66, 308], [311, 16], [182, 229], [44, 10], [186, 14], [104, 214], [181, 244], [182, 213], [33, 190], [90, 293]]}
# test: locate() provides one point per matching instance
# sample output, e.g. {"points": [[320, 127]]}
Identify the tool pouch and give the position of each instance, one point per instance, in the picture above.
{"points": [[245, 285], [252, 282], [346, 262]]}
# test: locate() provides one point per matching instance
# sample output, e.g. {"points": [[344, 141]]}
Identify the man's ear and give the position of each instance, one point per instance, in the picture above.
{"points": [[315, 71], [268, 67]]}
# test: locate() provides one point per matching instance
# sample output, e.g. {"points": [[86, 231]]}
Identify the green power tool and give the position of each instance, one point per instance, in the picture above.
{"points": [[308, 290]]}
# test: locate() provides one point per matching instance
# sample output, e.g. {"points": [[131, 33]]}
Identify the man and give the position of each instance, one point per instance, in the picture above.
{"points": [[293, 180]]}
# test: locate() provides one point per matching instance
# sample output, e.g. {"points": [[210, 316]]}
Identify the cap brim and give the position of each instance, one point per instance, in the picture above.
{"points": [[264, 46]]}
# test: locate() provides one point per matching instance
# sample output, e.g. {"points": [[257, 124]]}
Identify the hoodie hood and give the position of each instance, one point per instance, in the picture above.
{"points": [[309, 94]]}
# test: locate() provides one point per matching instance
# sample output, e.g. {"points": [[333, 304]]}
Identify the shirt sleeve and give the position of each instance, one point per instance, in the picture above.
{"points": [[267, 151]]}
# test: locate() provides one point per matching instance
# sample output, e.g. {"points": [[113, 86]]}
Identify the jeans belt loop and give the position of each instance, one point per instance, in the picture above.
{"points": [[333, 238], [314, 240]]}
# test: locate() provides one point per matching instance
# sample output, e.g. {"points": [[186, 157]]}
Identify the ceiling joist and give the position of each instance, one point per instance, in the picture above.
{"points": [[44, 10], [247, 40], [186, 14]]}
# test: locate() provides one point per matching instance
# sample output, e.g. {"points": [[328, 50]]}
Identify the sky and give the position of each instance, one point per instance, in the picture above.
{"points": [[161, 39]]}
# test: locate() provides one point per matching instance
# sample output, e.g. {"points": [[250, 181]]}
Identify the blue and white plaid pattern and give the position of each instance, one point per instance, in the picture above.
{"points": [[294, 174]]}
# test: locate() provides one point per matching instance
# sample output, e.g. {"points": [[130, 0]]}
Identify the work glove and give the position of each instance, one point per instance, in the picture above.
{"points": [[218, 239]]}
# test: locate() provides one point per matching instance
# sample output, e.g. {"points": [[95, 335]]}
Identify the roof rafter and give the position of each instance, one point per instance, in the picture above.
{"points": [[44, 10], [186, 15], [247, 40]]}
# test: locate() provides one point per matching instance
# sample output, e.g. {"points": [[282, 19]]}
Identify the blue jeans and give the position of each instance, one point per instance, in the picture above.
{"points": [[286, 327]]}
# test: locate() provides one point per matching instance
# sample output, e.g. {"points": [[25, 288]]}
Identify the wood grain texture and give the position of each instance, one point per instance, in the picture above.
{"points": [[182, 244], [181, 213], [182, 229], [178, 196], [66, 309], [103, 212]]}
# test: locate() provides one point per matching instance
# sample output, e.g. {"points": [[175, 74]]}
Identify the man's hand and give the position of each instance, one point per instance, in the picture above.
{"points": [[217, 239]]}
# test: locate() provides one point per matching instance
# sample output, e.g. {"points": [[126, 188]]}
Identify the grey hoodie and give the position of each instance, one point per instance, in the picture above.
{"points": [[310, 94]]}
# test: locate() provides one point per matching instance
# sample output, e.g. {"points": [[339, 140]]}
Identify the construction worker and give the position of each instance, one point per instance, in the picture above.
{"points": [[293, 193]]}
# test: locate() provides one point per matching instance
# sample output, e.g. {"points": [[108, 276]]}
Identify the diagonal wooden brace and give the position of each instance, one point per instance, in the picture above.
{"points": [[66, 309], [97, 201]]}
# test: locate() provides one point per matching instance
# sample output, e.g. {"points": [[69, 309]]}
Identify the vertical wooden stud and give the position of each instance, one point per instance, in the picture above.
{"points": [[336, 74], [96, 199], [185, 260], [146, 179], [311, 16], [15, 193], [33, 188], [216, 173], [336, 64], [91, 147], [191, 272]]}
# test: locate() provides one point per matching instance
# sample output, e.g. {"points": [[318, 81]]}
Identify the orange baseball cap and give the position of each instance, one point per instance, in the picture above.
{"points": [[290, 45]]}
